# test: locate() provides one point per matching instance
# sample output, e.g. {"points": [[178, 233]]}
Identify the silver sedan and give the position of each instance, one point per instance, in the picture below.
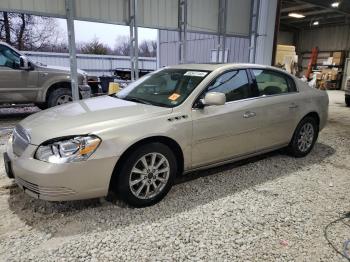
{"points": [[173, 121]]}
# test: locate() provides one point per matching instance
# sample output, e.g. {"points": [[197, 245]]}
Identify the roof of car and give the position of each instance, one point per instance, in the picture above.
{"points": [[212, 67]]}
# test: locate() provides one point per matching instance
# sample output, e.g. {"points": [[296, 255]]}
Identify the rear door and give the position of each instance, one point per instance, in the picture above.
{"points": [[278, 106], [230, 130]]}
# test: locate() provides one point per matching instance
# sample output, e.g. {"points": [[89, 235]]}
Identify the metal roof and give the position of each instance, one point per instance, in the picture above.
{"points": [[314, 10], [162, 14]]}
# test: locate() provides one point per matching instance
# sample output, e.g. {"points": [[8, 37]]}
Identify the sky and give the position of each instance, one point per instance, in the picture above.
{"points": [[106, 33]]}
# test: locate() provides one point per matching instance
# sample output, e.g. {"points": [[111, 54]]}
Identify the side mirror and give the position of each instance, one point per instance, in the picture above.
{"points": [[214, 99], [24, 64]]}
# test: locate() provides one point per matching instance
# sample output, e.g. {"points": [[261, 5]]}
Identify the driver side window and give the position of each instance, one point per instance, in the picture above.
{"points": [[234, 84], [9, 58]]}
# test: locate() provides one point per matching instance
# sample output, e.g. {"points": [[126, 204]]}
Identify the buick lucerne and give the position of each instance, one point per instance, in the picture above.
{"points": [[172, 121]]}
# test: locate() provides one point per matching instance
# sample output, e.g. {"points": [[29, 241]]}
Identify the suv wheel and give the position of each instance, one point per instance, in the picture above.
{"points": [[60, 96], [347, 100], [304, 138], [147, 175]]}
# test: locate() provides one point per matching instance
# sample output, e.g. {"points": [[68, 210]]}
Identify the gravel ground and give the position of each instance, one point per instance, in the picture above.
{"points": [[269, 208]]}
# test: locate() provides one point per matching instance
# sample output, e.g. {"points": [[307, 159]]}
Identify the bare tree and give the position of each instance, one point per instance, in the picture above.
{"points": [[28, 32], [154, 48], [122, 46], [147, 48], [144, 49], [94, 47]]}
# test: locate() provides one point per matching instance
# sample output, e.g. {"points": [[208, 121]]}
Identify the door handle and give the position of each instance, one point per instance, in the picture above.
{"points": [[293, 105], [249, 114]]}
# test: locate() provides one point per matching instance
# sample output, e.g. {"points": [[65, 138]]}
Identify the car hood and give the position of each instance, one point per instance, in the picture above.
{"points": [[87, 116], [60, 68]]}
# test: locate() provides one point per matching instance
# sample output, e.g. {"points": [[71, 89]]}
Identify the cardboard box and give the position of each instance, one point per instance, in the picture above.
{"points": [[337, 60], [337, 54]]}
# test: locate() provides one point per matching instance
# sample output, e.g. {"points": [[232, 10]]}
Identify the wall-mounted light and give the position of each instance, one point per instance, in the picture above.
{"points": [[296, 15], [335, 4], [315, 23]]}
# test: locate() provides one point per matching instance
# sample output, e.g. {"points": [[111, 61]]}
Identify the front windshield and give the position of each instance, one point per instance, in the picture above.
{"points": [[167, 88]]}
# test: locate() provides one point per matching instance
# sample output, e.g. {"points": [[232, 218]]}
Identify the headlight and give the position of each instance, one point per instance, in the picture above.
{"points": [[68, 150]]}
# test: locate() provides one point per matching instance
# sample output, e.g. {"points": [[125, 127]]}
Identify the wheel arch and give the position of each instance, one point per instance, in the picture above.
{"points": [[171, 143], [54, 86], [314, 115]]}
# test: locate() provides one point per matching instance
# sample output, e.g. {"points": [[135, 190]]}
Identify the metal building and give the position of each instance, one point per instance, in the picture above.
{"points": [[94, 65], [199, 30]]}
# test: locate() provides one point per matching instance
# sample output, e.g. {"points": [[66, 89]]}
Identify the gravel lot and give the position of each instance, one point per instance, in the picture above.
{"points": [[273, 207]]}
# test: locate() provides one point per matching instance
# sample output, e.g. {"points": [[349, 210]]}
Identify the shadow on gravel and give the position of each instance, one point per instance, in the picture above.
{"points": [[191, 191]]}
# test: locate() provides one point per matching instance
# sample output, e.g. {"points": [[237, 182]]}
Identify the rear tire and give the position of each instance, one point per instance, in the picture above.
{"points": [[347, 100], [146, 175], [60, 96], [304, 137]]}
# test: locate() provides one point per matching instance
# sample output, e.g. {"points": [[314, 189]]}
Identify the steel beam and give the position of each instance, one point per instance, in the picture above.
{"points": [[182, 18], [70, 11], [298, 7], [221, 44], [254, 30], [134, 45]]}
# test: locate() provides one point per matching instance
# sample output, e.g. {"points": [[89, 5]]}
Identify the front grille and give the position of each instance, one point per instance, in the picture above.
{"points": [[20, 140], [44, 191]]}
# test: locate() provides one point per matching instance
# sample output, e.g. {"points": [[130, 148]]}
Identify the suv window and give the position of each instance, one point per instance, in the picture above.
{"points": [[272, 83], [233, 84], [8, 57]]}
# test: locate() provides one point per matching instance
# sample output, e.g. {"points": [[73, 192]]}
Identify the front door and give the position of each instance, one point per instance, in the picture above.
{"points": [[226, 131], [15, 85]]}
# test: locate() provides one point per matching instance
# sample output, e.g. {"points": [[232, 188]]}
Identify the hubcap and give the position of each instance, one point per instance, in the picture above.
{"points": [[149, 175], [64, 99], [306, 137]]}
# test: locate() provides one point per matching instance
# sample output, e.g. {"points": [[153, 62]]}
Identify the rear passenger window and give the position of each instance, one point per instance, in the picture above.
{"points": [[273, 83], [233, 84]]}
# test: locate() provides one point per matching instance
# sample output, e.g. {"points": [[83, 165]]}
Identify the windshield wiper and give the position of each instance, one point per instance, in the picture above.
{"points": [[137, 100]]}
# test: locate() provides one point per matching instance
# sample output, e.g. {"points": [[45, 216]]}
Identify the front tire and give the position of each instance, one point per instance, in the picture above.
{"points": [[347, 100], [147, 175], [304, 137], [60, 96]]}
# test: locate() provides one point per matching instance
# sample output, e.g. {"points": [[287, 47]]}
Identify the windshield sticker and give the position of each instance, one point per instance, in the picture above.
{"points": [[173, 97], [196, 73]]}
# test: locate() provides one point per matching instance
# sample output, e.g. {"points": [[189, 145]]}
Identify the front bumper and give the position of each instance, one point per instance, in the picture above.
{"points": [[85, 91], [60, 182]]}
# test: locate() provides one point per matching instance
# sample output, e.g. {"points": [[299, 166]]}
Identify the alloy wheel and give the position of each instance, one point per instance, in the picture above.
{"points": [[149, 175], [306, 137]]}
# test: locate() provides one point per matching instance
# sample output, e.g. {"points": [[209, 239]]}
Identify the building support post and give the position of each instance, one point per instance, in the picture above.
{"points": [[182, 18], [134, 45], [254, 30], [221, 31], [70, 12]]}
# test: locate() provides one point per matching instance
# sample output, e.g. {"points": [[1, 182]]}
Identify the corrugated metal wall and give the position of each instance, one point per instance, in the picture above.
{"points": [[326, 38], [199, 48], [93, 64], [163, 14]]}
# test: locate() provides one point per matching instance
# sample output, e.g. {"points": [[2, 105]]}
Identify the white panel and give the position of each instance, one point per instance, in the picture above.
{"points": [[107, 11], [202, 15], [158, 13], [266, 30], [238, 17], [93, 64], [39, 7]]}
